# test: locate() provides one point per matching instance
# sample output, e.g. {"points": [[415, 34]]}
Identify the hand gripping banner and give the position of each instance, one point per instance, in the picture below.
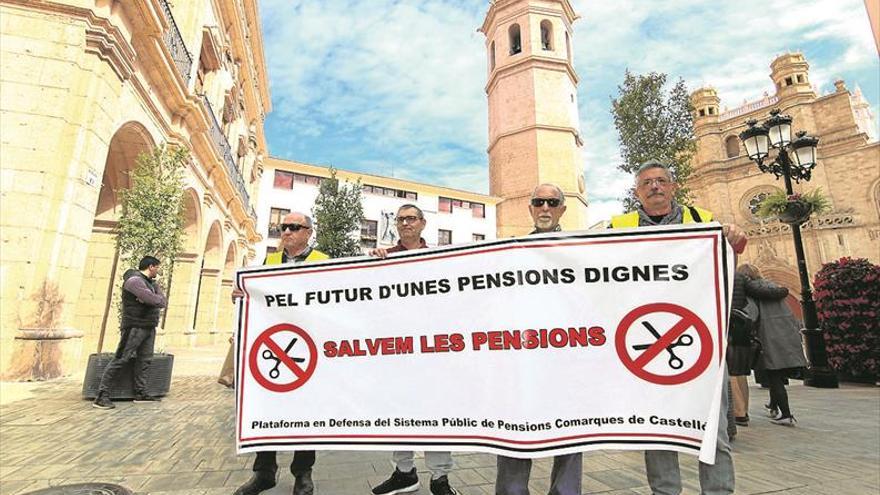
{"points": [[526, 347]]}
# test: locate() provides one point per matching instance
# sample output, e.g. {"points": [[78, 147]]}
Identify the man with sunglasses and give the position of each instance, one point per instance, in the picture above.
{"points": [[296, 230], [410, 224], [546, 207], [655, 190]]}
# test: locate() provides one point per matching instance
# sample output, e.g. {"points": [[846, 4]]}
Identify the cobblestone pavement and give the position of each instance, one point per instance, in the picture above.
{"points": [[184, 445]]}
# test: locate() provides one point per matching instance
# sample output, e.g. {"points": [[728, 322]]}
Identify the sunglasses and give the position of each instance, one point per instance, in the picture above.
{"points": [[551, 202], [293, 227]]}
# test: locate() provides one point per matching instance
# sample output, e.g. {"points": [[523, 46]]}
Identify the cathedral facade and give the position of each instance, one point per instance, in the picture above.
{"points": [[848, 172]]}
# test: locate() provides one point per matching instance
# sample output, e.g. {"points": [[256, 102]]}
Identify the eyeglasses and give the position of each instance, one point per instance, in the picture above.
{"points": [[551, 202], [293, 227], [660, 181], [407, 219]]}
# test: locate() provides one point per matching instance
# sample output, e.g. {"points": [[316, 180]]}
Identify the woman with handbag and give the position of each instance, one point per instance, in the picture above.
{"points": [[741, 347], [779, 335]]}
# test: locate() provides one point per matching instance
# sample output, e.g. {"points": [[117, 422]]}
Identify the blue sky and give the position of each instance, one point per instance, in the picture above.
{"points": [[395, 87]]}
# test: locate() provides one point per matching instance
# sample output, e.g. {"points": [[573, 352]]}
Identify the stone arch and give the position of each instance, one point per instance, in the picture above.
{"points": [[181, 289], [546, 35], [95, 309], [209, 286], [514, 39], [731, 146], [227, 281], [192, 215]]}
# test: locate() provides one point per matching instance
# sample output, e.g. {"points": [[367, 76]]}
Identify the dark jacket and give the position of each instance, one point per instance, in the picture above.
{"points": [[142, 301], [778, 330]]}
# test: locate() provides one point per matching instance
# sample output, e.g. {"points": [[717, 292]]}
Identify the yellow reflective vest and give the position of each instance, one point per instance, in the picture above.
{"points": [[631, 219], [276, 257]]}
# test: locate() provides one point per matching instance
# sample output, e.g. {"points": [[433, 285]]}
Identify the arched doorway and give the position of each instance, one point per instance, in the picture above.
{"points": [[96, 313], [177, 323], [225, 309], [205, 311]]}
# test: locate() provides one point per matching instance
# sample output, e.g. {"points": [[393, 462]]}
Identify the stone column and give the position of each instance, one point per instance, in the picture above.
{"points": [[225, 312], [206, 319]]}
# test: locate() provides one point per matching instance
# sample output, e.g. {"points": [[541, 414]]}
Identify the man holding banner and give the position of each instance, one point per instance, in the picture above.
{"points": [[410, 223], [296, 230], [655, 189], [546, 207]]}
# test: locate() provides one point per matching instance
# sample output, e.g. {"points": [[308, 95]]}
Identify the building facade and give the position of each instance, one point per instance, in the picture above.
{"points": [[534, 130], [86, 87], [453, 216], [848, 172]]}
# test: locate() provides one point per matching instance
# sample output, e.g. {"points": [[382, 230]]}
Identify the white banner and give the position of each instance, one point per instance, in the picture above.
{"points": [[525, 347]]}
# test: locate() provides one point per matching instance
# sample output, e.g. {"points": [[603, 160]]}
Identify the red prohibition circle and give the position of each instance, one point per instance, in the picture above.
{"points": [[302, 375], [687, 320]]}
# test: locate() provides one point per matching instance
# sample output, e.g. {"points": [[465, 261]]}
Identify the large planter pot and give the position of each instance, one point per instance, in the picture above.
{"points": [[44, 353], [158, 377], [796, 213]]}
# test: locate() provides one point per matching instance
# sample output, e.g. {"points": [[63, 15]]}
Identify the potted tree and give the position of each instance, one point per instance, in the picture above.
{"points": [[151, 223], [793, 209]]}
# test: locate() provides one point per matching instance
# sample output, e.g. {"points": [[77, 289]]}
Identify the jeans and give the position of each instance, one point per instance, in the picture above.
{"points": [[135, 345], [303, 460], [664, 475], [513, 475], [439, 463]]}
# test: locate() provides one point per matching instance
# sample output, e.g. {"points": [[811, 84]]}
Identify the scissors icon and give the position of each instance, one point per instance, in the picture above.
{"points": [[268, 355], [674, 361]]}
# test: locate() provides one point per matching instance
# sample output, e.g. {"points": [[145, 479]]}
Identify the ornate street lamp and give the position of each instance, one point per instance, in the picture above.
{"points": [[775, 132]]}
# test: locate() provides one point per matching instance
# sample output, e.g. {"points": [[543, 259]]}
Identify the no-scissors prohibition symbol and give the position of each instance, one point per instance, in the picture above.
{"points": [[288, 355], [664, 347]]}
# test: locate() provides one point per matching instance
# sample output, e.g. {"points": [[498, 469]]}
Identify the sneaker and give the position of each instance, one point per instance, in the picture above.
{"points": [[259, 482], [440, 486], [741, 420], [146, 398], [103, 402], [772, 411], [784, 421], [399, 482], [303, 484]]}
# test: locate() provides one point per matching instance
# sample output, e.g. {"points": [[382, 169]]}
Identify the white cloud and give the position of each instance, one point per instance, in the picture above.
{"points": [[376, 85]]}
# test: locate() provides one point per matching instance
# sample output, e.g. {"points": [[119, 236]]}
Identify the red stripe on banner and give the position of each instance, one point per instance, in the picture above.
{"points": [[479, 437], [457, 255]]}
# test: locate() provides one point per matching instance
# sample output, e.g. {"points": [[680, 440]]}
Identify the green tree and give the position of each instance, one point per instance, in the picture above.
{"points": [[653, 123], [151, 222], [338, 215]]}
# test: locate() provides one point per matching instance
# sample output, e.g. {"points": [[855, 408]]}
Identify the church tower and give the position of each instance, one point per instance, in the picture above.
{"points": [[534, 134]]}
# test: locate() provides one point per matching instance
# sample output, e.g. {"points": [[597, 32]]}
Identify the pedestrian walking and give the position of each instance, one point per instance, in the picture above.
{"points": [[142, 302], [779, 335]]}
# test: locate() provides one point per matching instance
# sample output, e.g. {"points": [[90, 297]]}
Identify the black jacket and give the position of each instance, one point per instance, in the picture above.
{"points": [[142, 301]]}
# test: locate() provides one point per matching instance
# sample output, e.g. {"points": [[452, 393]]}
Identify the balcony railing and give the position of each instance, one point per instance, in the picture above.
{"points": [[225, 151], [181, 56]]}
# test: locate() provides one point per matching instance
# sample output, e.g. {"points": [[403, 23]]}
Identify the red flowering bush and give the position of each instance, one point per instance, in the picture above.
{"points": [[847, 293]]}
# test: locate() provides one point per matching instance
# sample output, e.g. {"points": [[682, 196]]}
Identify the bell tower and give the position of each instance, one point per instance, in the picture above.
{"points": [[534, 134]]}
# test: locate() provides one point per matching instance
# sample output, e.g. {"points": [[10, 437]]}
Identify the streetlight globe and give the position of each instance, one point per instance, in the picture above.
{"points": [[756, 141], [779, 129], [804, 148]]}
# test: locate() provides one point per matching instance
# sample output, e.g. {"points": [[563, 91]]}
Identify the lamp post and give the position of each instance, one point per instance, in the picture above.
{"points": [[775, 132]]}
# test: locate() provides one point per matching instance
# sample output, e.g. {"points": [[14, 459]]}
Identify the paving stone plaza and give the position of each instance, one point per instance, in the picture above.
{"points": [[49, 436]]}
